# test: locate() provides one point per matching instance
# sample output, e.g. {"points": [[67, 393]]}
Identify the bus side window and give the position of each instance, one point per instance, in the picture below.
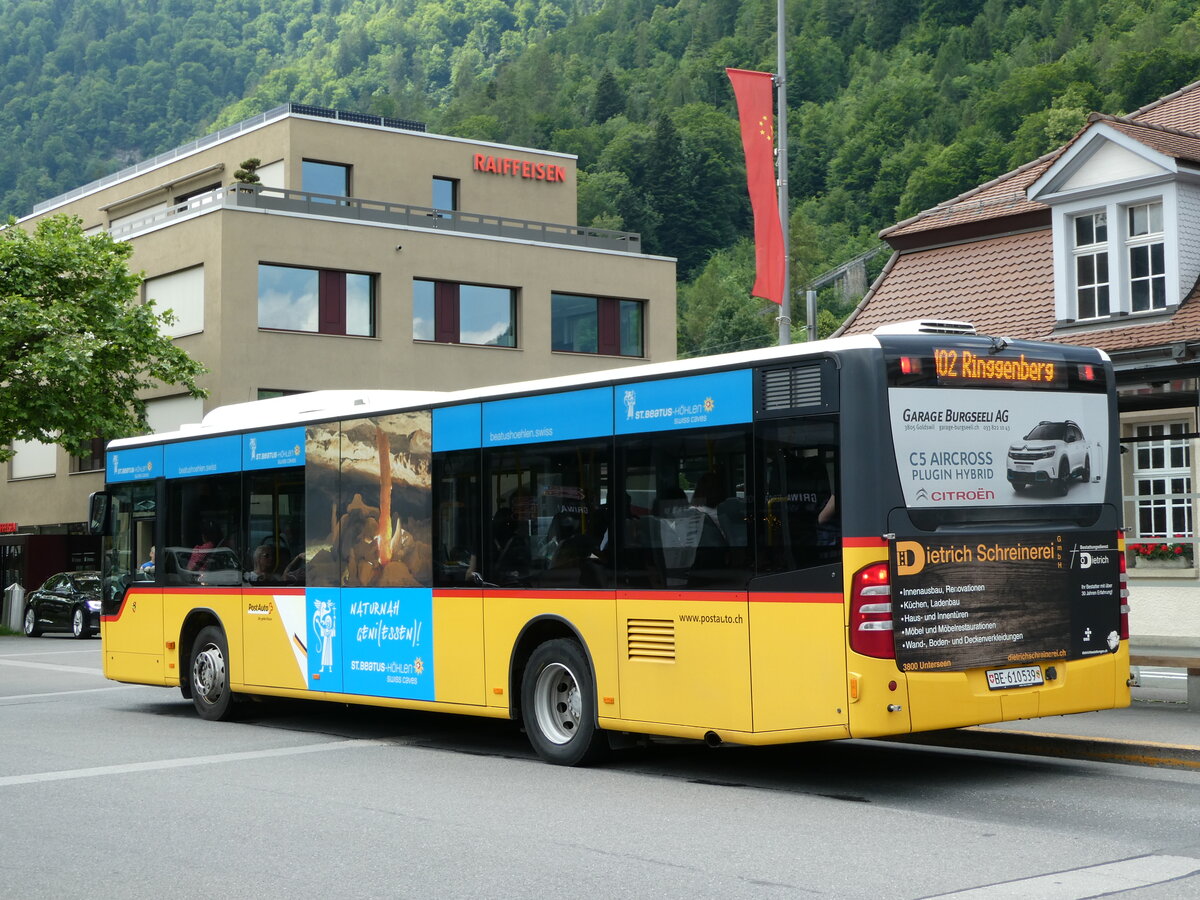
{"points": [[129, 546], [547, 507], [798, 467], [275, 505], [457, 517], [686, 517], [204, 543]]}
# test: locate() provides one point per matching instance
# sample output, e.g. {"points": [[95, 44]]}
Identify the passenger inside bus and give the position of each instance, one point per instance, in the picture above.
{"points": [[264, 571]]}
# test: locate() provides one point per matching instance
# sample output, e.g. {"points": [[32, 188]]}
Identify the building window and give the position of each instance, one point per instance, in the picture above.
{"points": [[1162, 481], [325, 178], [32, 459], [445, 193], [172, 413], [1091, 265], [183, 294], [199, 192], [597, 325], [1117, 260], [322, 301], [275, 393], [1147, 263], [92, 460], [452, 313]]}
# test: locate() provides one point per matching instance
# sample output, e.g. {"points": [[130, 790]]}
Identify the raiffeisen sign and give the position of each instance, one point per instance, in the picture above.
{"points": [[519, 168]]}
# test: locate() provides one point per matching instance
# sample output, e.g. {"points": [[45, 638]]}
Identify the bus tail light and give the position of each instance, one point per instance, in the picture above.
{"points": [[1124, 594], [871, 613]]}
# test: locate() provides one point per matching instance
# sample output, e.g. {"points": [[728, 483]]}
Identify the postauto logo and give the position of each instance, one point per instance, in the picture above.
{"points": [[925, 496]]}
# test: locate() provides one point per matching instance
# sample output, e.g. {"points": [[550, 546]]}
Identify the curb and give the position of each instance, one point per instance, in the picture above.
{"points": [[1133, 753]]}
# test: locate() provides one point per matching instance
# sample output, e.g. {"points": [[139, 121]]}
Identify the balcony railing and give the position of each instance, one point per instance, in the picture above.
{"points": [[326, 206]]}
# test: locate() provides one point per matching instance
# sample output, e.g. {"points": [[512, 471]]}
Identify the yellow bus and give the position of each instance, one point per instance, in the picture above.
{"points": [[860, 537]]}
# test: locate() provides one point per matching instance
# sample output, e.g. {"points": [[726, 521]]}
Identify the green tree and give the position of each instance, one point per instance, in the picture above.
{"points": [[609, 100], [75, 346], [248, 173]]}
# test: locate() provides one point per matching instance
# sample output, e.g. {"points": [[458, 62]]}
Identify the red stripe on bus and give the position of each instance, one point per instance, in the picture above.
{"points": [[685, 596], [795, 598], [863, 542], [524, 594], [134, 593], [131, 593]]}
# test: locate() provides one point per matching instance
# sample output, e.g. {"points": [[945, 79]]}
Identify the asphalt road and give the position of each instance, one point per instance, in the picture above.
{"points": [[120, 791]]}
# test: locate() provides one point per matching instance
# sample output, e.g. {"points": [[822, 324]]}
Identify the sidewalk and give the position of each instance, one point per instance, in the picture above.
{"points": [[1150, 733]]}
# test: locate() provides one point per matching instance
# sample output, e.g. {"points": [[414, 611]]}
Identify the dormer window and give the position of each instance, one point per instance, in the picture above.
{"points": [[1122, 203], [1115, 258], [1091, 265], [1147, 263]]}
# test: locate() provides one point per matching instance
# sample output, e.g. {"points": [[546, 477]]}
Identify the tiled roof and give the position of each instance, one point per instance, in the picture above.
{"points": [[1003, 285], [1184, 325], [1180, 110], [1003, 196], [1168, 141]]}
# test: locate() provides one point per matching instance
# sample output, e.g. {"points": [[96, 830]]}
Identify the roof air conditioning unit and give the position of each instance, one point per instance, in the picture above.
{"points": [[927, 326]]}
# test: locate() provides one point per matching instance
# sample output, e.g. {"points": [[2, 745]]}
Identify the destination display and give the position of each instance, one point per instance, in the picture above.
{"points": [[999, 448], [969, 602], [964, 367]]}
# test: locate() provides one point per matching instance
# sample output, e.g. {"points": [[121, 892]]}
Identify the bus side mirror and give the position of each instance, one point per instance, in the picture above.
{"points": [[100, 513]]}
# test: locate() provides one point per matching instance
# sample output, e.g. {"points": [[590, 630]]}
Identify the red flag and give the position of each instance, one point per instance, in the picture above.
{"points": [[755, 112]]}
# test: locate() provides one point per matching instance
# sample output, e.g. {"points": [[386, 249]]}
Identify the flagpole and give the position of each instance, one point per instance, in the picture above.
{"points": [[785, 308]]}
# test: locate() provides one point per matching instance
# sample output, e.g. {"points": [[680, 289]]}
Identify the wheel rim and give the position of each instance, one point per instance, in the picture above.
{"points": [[557, 703], [30, 621], [77, 623], [208, 674]]}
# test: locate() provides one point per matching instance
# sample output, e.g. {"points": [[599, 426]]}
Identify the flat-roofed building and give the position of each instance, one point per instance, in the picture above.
{"points": [[371, 255]]}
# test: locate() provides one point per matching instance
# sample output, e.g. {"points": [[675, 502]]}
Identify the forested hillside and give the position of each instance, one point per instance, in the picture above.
{"points": [[895, 105]]}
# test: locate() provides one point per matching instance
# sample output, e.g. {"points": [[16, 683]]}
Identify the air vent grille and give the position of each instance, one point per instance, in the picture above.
{"points": [[651, 639], [927, 326], [791, 388]]}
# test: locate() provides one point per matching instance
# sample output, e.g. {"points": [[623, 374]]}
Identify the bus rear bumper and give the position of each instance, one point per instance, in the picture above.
{"points": [[955, 699]]}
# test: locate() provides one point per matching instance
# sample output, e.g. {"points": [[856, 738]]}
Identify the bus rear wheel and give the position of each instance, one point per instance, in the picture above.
{"points": [[209, 675], [558, 705]]}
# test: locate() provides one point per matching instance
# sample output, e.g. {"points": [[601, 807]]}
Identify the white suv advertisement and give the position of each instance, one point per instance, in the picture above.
{"points": [[965, 447], [1053, 454]]}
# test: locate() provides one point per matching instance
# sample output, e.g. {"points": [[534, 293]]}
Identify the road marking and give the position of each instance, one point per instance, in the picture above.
{"points": [[46, 653], [1091, 881], [115, 687], [50, 666], [156, 765]]}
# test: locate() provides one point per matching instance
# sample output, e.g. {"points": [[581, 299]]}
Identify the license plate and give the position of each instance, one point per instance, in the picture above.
{"points": [[1026, 676]]}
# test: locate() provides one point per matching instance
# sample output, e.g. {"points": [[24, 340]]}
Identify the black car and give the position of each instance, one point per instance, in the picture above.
{"points": [[69, 601]]}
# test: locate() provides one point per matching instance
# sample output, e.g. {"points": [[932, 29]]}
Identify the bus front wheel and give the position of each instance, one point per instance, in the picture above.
{"points": [[209, 675], [558, 705]]}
